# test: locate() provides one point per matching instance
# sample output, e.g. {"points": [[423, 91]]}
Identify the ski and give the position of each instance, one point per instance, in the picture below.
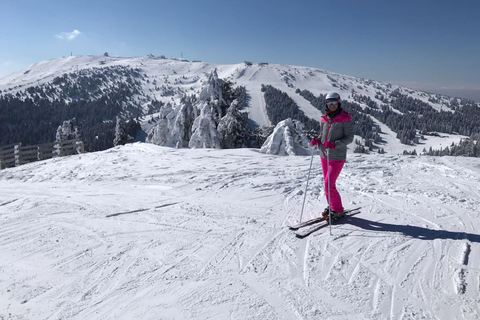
{"points": [[315, 220], [306, 223], [308, 231]]}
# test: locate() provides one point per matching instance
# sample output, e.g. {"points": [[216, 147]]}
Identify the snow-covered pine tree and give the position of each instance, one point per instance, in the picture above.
{"points": [[360, 149], [180, 122], [212, 104], [174, 128], [67, 131], [159, 133], [213, 90], [121, 135], [204, 129], [195, 122], [232, 128]]}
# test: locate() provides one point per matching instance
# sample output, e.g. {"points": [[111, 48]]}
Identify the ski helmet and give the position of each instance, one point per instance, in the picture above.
{"points": [[332, 96]]}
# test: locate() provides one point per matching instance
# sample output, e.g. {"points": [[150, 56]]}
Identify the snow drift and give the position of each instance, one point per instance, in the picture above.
{"points": [[287, 139]]}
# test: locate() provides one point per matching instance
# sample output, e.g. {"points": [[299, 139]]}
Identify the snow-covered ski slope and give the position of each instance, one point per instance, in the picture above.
{"points": [[148, 232]]}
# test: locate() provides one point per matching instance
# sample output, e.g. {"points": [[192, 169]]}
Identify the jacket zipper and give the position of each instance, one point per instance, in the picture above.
{"points": [[328, 130]]}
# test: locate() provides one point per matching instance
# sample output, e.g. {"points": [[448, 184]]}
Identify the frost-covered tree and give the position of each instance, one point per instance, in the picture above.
{"points": [[232, 128], [174, 129], [214, 93], [67, 131], [196, 121], [121, 135], [159, 133], [204, 129], [181, 121]]}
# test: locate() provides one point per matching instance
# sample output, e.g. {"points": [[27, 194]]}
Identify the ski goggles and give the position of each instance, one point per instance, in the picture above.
{"points": [[331, 102]]}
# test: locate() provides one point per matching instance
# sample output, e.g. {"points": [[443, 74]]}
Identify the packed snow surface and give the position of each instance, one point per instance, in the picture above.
{"points": [[149, 232]]}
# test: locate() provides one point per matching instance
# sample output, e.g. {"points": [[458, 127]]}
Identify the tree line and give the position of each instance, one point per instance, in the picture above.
{"points": [[280, 106], [466, 147], [94, 99]]}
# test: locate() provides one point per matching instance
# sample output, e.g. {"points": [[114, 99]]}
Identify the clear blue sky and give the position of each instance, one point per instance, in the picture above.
{"points": [[425, 44]]}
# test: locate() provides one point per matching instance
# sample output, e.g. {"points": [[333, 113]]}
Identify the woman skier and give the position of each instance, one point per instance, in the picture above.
{"points": [[336, 132]]}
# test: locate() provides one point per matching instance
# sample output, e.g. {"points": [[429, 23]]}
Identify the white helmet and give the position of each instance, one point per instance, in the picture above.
{"points": [[333, 96]]}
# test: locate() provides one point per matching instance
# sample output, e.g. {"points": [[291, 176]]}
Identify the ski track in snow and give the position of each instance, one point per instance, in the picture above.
{"points": [[146, 232]]}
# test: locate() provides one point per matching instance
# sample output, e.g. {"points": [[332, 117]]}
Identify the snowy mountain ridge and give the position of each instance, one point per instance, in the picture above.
{"points": [[187, 77], [143, 83]]}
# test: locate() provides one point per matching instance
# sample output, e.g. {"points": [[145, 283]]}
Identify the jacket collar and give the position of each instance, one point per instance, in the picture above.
{"points": [[342, 117]]}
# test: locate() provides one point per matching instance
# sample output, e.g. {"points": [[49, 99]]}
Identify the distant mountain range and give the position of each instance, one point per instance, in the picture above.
{"points": [[195, 104]]}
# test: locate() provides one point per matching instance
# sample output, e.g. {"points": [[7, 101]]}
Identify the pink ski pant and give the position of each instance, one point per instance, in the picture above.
{"points": [[335, 169]]}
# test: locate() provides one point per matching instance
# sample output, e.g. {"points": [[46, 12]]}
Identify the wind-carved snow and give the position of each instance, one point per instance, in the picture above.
{"points": [[287, 139], [142, 231]]}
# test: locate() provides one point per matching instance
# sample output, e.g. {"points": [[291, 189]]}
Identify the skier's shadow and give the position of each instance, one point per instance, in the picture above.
{"points": [[412, 231]]}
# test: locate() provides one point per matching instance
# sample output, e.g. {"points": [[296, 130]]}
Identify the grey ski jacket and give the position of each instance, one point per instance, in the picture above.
{"points": [[338, 130]]}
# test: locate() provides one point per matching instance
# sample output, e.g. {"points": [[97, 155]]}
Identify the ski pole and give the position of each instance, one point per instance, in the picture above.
{"points": [[329, 200], [308, 178]]}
